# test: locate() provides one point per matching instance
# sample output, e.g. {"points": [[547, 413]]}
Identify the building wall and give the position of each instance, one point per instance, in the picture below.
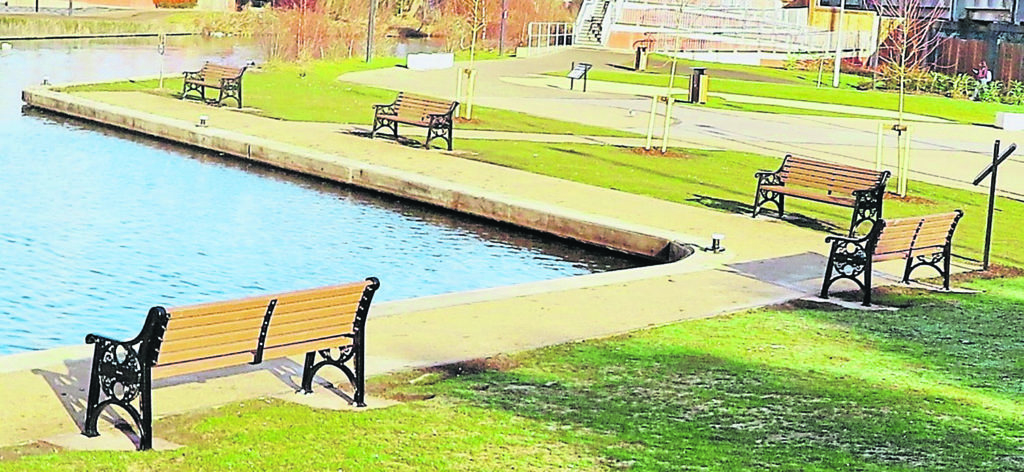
{"points": [[827, 18]]}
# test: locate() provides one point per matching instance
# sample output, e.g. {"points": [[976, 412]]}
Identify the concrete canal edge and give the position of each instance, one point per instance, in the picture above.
{"points": [[645, 242], [49, 385]]}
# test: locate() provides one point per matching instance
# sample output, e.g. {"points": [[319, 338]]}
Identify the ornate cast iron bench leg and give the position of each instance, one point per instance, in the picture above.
{"points": [[868, 207], [848, 259], [121, 370], [765, 196], [354, 352]]}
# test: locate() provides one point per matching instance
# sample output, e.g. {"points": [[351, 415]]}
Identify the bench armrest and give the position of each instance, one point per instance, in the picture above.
{"points": [[98, 338], [388, 108], [850, 239], [195, 74]]}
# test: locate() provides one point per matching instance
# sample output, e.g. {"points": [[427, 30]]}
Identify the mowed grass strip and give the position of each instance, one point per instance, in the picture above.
{"points": [[724, 180], [803, 89], [312, 92], [934, 386]]}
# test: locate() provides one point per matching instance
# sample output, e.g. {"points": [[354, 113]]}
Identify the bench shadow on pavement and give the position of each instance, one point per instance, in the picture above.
{"points": [[402, 140], [72, 387], [796, 219]]}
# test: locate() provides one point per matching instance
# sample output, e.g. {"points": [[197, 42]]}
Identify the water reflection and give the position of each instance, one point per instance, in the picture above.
{"points": [[101, 224]]}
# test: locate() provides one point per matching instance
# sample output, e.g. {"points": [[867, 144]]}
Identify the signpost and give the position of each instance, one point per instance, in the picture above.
{"points": [[162, 48], [579, 71], [993, 170]]}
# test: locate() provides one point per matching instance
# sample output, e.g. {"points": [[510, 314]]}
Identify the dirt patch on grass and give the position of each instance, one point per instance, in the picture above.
{"points": [[500, 363], [25, 450], [656, 152], [994, 272], [909, 199]]}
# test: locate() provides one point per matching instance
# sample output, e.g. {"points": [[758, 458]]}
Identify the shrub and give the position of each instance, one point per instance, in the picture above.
{"points": [[175, 3]]}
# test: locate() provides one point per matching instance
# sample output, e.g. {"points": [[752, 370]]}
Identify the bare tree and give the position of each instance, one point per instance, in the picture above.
{"points": [[908, 28], [475, 12]]}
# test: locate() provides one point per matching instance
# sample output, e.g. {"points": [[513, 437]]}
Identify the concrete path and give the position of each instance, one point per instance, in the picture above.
{"points": [[767, 261], [944, 153], [529, 137], [652, 91]]}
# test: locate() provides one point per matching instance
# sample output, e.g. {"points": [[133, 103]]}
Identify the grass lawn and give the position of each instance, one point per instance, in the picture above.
{"points": [[724, 104], [724, 180], [804, 89], [311, 92], [801, 387]]}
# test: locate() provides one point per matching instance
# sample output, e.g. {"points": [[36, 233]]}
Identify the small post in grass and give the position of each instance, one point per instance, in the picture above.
{"points": [[650, 122], [162, 48], [992, 170]]}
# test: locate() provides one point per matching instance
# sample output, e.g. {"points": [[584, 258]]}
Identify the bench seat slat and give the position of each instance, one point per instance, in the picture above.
{"points": [[326, 314], [236, 331], [328, 332], [857, 177], [331, 291], [172, 370], [215, 349], [307, 346], [810, 195], [825, 180], [799, 161], [211, 320], [203, 309]]}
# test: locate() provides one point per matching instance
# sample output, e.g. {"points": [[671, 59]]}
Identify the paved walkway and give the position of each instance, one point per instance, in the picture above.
{"points": [[944, 153], [652, 91], [767, 261]]}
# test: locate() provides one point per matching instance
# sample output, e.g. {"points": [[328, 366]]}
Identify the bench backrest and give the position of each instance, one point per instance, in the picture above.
{"points": [[214, 72], [916, 236], [416, 107], [834, 178], [221, 334]]}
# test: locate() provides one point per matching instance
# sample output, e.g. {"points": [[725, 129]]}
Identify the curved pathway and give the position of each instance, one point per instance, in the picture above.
{"points": [[943, 153]]}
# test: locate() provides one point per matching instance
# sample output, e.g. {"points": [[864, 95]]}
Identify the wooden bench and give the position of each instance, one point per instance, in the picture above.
{"points": [[860, 189], [198, 338], [435, 115], [228, 80], [921, 240]]}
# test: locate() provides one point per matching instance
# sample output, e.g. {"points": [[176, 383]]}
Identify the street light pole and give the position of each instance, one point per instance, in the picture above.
{"points": [[369, 30], [501, 34], [839, 45]]}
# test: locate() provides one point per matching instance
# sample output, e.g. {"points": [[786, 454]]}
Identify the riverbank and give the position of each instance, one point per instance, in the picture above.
{"points": [[450, 328]]}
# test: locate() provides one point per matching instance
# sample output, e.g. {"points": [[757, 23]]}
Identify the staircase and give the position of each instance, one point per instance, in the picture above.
{"points": [[589, 32]]}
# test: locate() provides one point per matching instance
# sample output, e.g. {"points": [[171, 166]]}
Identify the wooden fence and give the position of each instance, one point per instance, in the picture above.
{"points": [[961, 56]]}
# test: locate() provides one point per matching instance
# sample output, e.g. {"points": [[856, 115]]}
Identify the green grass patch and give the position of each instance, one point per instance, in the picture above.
{"points": [[803, 88], [934, 386], [719, 103], [312, 92], [724, 180]]}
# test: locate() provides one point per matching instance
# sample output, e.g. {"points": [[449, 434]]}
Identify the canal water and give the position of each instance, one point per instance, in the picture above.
{"points": [[97, 225]]}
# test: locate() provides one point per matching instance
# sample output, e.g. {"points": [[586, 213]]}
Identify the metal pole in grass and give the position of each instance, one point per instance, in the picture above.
{"points": [[369, 30], [650, 123], [839, 46], [992, 170], [501, 34], [878, 149]]}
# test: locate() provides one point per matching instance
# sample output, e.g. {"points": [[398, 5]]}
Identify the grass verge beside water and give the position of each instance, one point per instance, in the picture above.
{"points": [[724, 180], [312, 92], [934, 386]]}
